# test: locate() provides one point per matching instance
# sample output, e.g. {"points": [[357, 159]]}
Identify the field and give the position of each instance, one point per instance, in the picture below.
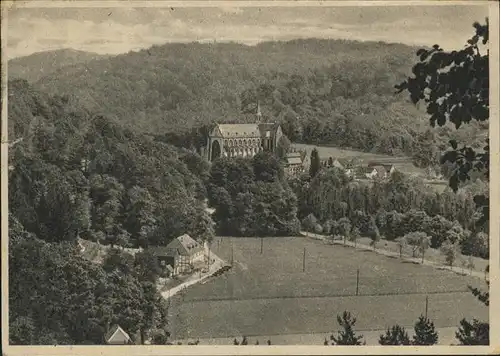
{"points": [[402, 163], [269, 294]]}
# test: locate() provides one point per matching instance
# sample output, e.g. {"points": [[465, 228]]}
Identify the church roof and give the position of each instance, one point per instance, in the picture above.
{"points": [[239, 130], [267, 126]]}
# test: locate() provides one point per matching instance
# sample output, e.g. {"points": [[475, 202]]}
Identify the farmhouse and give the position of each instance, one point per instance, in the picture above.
{"points": [[180, 254], [242, 140], [117, 336], [381, 168], [293, 163]]}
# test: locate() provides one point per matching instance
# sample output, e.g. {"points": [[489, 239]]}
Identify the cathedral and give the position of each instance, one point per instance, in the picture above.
{"points": [[242, 140]]}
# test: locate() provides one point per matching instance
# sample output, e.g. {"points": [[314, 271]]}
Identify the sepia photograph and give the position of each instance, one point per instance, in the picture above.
{"points": [[243, 173]]}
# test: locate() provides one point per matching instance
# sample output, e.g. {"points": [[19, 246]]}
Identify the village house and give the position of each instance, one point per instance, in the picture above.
{"points": [[180, 255], [389, 169], [117, 336], [293, 164], [338, 163]]}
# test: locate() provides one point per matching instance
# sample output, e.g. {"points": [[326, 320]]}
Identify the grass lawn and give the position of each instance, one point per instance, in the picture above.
{"points": [[269, 294], [335, 152], [431, 254]]}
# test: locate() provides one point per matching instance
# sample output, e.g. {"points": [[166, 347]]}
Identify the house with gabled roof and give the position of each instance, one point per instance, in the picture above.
{"points": [[180, 254], [117, 336], [389, 168], [293, 163]]}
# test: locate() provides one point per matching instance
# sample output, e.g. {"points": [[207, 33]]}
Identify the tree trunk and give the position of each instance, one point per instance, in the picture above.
{"points": [[400, 252]]}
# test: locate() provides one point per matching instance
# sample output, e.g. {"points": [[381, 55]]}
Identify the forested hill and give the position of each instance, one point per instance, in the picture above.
{"points": [[322, 91], [40, 64], [80, 175], [165, 88]]}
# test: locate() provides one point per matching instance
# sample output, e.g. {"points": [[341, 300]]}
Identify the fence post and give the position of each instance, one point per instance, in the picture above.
{"points": [[304, 261], [357, 282], [426, 305]]}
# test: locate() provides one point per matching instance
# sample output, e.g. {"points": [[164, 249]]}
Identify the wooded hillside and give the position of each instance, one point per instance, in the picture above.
{"points": [[322, 91]]}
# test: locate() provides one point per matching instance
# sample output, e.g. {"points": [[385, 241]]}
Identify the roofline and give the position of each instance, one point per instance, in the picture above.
{"points": [[117, 329]]}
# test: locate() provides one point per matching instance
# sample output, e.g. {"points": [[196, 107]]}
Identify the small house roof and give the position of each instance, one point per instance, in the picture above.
{"points": [[364, 169], [336, 163], [380, 170], [184, 245], [293, 158], [113, 331], [294, 161]]}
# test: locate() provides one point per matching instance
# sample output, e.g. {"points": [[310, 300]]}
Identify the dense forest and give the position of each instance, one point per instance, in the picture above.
{"points": [[40, 64], [322, 91], [334, 204], [79, 175]]}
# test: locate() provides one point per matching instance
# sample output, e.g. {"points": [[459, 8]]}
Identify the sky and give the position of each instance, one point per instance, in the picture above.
{"points": [[121, 29]]}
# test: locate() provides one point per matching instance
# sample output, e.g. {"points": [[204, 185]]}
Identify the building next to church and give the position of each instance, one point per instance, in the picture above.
{"points": [[242, 140]]}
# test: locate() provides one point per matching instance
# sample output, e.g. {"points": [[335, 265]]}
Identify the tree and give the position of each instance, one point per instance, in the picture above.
{"points": [[344, 228], [418, 241], [475, 244], [450, 252], [117, 260], [267, 167], [147, 266], [459, 95], [347, 336], [315, 163], [424, 244], [373, 233], [243, 341], [309, 223], [402, 243], [283, 147], [475, 333], [354, 235], [396, 335], [425, 333]]}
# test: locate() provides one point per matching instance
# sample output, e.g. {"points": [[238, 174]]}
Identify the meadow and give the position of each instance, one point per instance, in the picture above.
{"points": [[268, 293], [402, 163]]}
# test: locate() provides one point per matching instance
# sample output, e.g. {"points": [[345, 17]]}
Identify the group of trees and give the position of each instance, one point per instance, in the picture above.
{"points": [[82, 175], [321, 91], [76, 175], [252, 197], [425, 334], [400, 207], [56, 296]]}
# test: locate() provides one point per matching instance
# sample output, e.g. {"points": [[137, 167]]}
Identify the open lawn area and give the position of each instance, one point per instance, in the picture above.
{"points": [[402, 163], [269, 294]]}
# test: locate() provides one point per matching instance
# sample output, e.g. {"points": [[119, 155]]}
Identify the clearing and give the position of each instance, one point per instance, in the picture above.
{"points": [[270, 294]]}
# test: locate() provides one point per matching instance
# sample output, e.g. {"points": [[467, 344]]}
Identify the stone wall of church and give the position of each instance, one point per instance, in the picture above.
{"points": [[242, 147]]}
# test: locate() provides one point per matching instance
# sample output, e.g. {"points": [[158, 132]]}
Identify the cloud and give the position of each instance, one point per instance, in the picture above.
{"points": [[120, 30]]}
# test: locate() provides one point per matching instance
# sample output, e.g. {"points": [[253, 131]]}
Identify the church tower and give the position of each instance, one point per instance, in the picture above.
{"points": [[259, 113]]}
